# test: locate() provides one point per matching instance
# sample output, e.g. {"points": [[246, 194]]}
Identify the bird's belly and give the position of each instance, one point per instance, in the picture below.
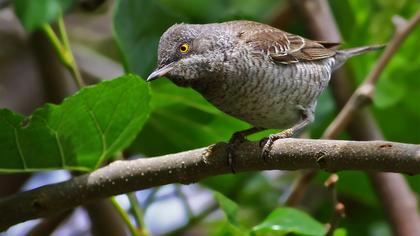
{"points": [[267, 109], [273, 97]]}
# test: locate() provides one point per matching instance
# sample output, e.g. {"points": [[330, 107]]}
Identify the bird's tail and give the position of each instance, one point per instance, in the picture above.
{"points": [[344, 54]]}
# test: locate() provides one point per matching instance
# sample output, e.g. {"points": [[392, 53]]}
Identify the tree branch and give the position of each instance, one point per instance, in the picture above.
{"points": [[194, 165], [364, 94]]}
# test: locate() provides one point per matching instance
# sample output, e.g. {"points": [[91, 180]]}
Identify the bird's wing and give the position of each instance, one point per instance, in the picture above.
{"points": [[286, 48]]}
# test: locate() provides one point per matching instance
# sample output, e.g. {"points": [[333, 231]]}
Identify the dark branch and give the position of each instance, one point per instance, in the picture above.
{"points": [[4, 3], [192, 166]]}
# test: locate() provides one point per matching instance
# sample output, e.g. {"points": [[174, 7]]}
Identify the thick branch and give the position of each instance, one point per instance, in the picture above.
{"points": [[192, 166]]}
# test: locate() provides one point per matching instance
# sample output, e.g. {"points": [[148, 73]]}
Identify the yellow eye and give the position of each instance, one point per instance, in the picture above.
{"points": [[184, 48]]}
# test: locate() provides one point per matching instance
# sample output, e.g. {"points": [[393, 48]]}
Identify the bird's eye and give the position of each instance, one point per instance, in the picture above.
{"points": [[184, 48]]}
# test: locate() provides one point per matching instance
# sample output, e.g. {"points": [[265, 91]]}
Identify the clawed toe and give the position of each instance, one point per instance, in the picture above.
{"points": [[263, 141], [230, 151], [267, 143], [234, 142], [232, 146]]}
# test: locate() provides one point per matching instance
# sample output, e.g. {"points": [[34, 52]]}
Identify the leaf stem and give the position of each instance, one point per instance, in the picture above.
{"points": [[184, 201], [63, 50], [138, 214], [125, 217]]}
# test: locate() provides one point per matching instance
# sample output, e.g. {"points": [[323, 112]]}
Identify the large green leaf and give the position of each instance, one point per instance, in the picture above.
{"points": [[137, 28], [222, 10], [229, 207], [78, 134], [284, 221], [34, 14], [227, 229], [138, 25], [230, 225], [182, 120]]}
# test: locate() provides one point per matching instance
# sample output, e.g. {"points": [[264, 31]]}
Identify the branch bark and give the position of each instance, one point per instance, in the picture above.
{"points": [[48, 225], [192, 166]]}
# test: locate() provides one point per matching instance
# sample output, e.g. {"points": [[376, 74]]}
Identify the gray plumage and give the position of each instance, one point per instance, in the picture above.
{"points": [[252, 71]]}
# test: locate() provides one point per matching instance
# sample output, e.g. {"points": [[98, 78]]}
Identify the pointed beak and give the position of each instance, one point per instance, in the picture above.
{"points": [[160, 72]]}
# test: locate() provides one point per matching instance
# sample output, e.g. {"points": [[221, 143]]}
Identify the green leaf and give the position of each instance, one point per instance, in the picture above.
{"points": [[388, 93], [78, 134], [379, 228], [340, 232], [182, 120], [34, 14], [227, 229], [226, 183], [229, 207], [137, 34], [165, 93], [283, 221]]}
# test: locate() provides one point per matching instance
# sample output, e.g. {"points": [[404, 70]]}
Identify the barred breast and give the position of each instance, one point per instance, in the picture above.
{"points": [[269, 95]]}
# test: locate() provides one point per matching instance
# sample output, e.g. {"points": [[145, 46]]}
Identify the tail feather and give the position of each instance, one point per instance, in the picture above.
{"points": [[343, 54]]}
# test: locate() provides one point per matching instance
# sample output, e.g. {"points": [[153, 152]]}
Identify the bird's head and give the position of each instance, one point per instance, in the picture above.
{"points": [[187, 53]]}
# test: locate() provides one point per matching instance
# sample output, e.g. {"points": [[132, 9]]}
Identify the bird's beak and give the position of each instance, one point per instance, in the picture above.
{"points": [[160, 72]]}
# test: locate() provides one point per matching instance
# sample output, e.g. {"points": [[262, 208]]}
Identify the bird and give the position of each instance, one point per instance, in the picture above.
{"points": [[252, 71]]}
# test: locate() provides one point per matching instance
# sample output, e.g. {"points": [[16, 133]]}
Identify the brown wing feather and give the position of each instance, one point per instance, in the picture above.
{"points": [[328, 44], [281, 46]]}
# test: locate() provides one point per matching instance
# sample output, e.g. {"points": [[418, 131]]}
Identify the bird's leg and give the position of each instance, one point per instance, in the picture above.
{"points": [[267, 143], [236, 139]]}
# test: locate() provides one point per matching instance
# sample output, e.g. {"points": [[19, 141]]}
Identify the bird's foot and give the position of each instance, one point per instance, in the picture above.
{"points": [[234, 142], [267, 143]]}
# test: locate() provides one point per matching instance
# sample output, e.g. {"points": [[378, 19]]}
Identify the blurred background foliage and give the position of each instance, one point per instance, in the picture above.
{"points": [[181, 119]]}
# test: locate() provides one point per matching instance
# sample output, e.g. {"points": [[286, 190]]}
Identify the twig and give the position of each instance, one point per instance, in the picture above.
{"points": [[194, 165], [74, 69], [63, 50], [124, 217], [282, 17], [138, 214], [184, 201], [364, 93], [49, 225], [150, 198], [299, 187], [339, 208], [104, 218], [195, 220]]}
